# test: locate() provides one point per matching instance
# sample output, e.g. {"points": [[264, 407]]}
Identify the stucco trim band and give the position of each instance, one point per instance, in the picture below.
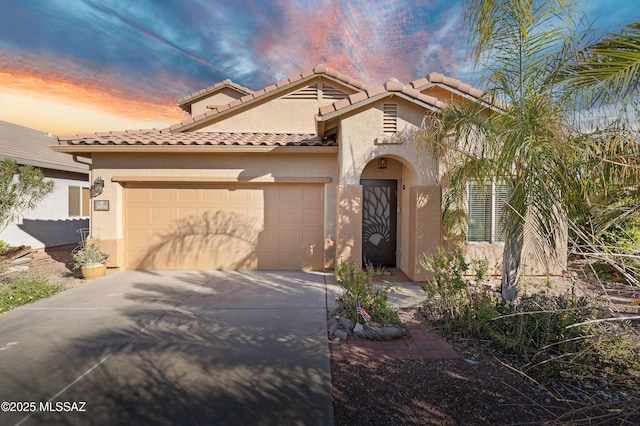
{"points": [[219, 179]]}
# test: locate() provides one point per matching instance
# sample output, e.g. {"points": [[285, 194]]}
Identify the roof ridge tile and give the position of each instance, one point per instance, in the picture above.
{"points": [[393, 86], [375, 90]]}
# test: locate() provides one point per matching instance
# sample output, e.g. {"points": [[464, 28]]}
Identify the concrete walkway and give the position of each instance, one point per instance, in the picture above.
{"points": [[172, 348]]}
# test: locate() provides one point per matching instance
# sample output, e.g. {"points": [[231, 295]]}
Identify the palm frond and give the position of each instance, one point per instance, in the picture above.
{"points": [[608, 70]]}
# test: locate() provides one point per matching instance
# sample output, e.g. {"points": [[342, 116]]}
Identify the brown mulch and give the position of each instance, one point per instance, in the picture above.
{"points": [[374, 384], [422, 380], [477, 388]]}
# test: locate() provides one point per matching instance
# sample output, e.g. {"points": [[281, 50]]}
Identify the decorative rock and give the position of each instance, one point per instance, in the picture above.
{"points": [[342, 334], [18, 268], [348, 324], [333, 328]]}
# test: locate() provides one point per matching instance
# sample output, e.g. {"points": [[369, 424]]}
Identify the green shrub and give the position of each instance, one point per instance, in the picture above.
{"points": [[480, 268], [90, 255], [24, 290], [357, 285], [537, 324], [448, 270], [549, 334], [3, 246]]}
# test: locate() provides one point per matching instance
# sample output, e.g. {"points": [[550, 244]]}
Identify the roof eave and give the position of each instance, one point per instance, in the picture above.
{"points": [[358, 105], [86, 150], [51, 166]]}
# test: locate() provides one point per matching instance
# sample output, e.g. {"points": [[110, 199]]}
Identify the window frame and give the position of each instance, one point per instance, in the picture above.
{"points": [[495, 214], [78, 201]]}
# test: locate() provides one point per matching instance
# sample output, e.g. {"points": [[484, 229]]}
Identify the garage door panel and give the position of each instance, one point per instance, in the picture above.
{"points": [[212, 195], [137, 214], [159, 194], [265, 226], [188, 195], [288, 238], [288, 217], [311, 216], [185, 213], [161, 215], [288, 259], [291, 194], [312, 194]]}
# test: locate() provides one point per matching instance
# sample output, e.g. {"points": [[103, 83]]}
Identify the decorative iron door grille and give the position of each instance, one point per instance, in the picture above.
{"points": [[379, 216]]}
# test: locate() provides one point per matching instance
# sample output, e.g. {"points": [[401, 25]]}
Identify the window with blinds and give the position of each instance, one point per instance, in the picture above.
{"points": [[485, 214]]}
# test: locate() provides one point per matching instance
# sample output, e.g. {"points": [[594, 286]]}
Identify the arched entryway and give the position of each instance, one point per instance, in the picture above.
{"points": [[381, 181]]}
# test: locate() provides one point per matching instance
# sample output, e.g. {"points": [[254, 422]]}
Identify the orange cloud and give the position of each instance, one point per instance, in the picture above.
{"points": [[102, 94]]}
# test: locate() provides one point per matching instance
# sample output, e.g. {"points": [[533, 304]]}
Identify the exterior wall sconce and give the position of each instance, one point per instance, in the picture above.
{"points": [[382, 163], [97, 187]]}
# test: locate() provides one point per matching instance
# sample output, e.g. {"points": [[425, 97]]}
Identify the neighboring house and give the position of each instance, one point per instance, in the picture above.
{"points": [[56, 219], [303, 174]]}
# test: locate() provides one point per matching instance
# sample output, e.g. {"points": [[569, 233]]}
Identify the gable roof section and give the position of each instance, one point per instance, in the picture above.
{"points": [[186, 101], [281, 87], [457, 87], [155, 137], [449, 83], [389, 88], [29, 146]]}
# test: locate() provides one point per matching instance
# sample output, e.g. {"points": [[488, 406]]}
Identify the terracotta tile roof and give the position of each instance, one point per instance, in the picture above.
{"points": [[216, 87], [156, 137], [453, 83], [317, 70]]}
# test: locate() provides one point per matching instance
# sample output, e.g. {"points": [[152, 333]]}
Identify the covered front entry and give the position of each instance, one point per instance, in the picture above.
{"points": [[379, 201], [224, 226]]}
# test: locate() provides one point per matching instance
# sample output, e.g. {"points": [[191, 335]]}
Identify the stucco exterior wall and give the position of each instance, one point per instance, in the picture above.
{"points": [[349, 224], [419, 216], [277, 116], [222, 97], [424, 224], [361, 131], [108, 226], [49, 224]]}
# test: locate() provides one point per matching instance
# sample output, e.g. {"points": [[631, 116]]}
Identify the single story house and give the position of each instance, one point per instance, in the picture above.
{"points": [[306, 173], [56, 220]]}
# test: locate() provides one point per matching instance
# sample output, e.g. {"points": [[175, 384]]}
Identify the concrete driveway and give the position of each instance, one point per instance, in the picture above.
{"points": [[171, 348]]}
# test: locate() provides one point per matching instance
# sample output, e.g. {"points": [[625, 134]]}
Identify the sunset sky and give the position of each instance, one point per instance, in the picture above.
{"points": [[79, 66]]}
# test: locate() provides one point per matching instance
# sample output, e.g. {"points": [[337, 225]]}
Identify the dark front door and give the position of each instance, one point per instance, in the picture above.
{"points": [[379, 217]]}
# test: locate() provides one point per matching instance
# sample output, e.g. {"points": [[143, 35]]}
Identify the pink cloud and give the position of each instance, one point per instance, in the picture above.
{"points": [[369, 44]]}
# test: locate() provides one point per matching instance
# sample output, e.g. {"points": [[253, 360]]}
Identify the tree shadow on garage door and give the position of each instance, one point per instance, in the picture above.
{"points": [[185, 363], [215, 240]]}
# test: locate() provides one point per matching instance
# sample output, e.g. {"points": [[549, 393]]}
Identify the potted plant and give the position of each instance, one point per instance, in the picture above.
{"points": [[91, 261]]}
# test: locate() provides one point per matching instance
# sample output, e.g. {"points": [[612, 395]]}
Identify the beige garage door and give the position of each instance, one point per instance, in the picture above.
{"points": [[266, 226]]}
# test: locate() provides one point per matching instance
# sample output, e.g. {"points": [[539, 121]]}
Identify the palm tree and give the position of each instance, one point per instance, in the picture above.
{"points": [[533, 60], [519, 46]]}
